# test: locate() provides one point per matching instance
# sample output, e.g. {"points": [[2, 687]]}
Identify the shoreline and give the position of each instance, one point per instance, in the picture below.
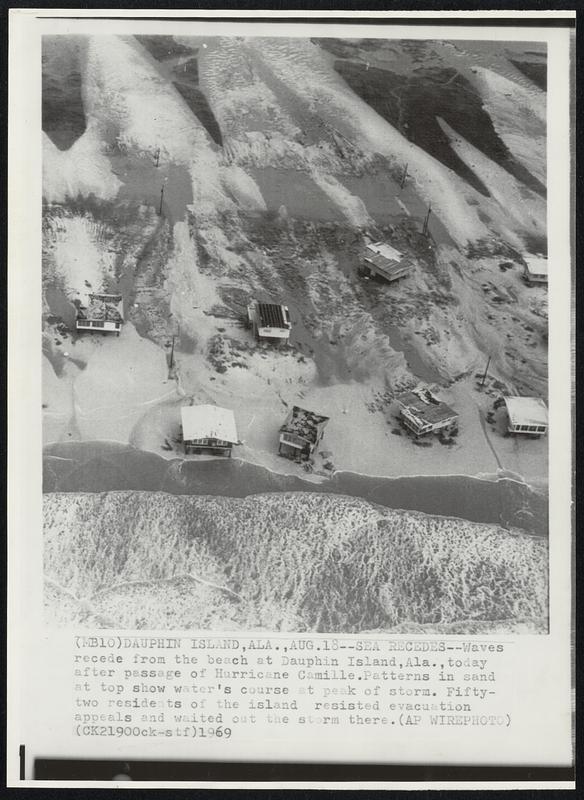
{"points": [[77, 467], [541, 483]]}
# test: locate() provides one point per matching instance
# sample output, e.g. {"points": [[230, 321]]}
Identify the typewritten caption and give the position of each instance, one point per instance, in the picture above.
{"points": [[164, 687]]}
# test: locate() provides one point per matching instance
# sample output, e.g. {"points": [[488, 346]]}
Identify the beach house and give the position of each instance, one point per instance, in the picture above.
{"points": [[270, 322], [102, 313], [208, 429], [535, 271], [422, 413], [382, 259], [301, 433], [526, 415]]}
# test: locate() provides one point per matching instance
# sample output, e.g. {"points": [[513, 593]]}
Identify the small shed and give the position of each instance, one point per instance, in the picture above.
{"points": [[301, 433], [102, 313], [535, 271], [208, 429], [382, 259], [270, 321], [527, 415], [423, 413]]}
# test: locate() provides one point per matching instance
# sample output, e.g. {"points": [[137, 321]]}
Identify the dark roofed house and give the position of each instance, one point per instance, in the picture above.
{"points": [[101, 314], [422, 413], [301, 433], [270, 321], [383, 259]]}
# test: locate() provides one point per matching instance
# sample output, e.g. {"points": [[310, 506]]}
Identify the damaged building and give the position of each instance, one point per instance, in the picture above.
{"points": [[301, 433], [423, 413]]}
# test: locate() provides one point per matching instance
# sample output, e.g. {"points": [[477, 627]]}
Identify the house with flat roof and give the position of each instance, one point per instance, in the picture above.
{"points": [[535, 271], [208, 429], [301, 433], [423, 413], [526, 415], [270, 321], [382, 259], [102, 313]]}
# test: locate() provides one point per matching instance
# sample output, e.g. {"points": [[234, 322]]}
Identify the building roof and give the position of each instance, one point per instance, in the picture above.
{"points": [[526, 411], [537, 265], [385, 250], [107, 307], [304, 423], [388, 267], [387, 260], [271, 315], [208, 422], [431, 411]]}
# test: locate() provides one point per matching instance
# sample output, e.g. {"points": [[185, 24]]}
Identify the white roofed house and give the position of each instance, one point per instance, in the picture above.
{"points": [[535, 271], [383, 259], [270, 321], [208, 429], [527, 415], [102, 313]]}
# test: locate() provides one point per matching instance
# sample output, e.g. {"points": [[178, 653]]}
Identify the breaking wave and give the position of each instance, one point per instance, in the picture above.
{"points": [[287, 561]]}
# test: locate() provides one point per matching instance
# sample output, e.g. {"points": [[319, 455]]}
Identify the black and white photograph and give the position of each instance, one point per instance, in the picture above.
{"points": [[295, 334], [291, 388]]}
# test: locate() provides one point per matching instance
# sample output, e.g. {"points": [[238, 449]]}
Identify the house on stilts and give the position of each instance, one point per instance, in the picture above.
{"points": [[526, 415], [208, 429], [102, 313]]}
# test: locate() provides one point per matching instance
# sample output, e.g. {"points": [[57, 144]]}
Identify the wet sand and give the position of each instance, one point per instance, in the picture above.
{"points": [[300, 195]]}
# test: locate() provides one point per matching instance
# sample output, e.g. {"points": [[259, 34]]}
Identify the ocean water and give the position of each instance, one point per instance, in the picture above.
{"points": [[103, 467], [290, 561], [227, 545]]}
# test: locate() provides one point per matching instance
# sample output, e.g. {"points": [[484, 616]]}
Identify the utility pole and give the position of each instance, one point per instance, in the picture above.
{"points": [[425, 228], [157, 156], [486, 370], [170, 366], [403, 180], [161, 198]]}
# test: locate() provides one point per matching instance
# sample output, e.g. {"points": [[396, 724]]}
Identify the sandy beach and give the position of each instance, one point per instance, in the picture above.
{"points": [[263, 186]]}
